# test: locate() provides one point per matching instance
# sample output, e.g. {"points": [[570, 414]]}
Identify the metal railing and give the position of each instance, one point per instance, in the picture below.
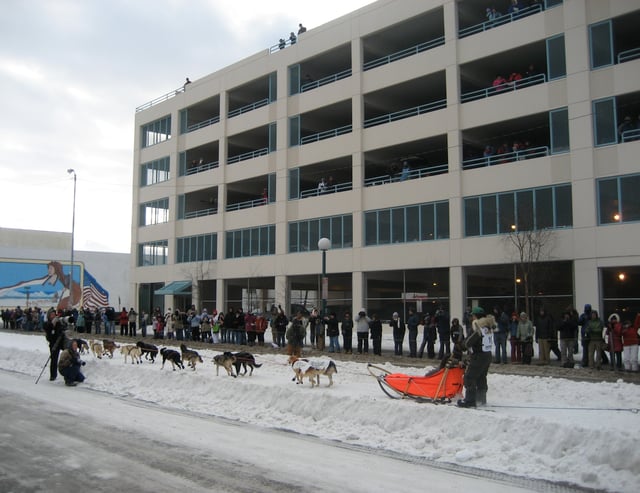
{"points": [[507, 157], [326, 134], [398, 55], [630, 135], [325, 80], [628, 55], [201, 168], [501, 89], [247, 204], [315, 192], [203, 124], [413, 174], [503, 19], [160, 99], [400, 115], [249, 107], [201, 213], [248, 155]]}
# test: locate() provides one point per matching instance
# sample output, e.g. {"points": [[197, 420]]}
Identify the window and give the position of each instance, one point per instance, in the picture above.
{"points": [[153, 253], [197, 248], [556, 58], [156, 132], [618, 199], [559, 129], [155, 212], [251, 242], [154, 172], [601, 44], [545, 207], [604, 122], [304, 235], [420, 222]]}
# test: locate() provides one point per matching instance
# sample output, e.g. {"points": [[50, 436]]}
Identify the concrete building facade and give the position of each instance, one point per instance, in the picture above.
{"points": [[427, 140]]}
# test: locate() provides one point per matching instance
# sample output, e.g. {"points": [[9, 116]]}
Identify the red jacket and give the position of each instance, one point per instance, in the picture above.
{"points": [[614, 331]]}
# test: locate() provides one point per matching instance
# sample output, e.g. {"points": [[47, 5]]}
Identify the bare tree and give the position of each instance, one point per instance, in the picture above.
{"points": [[196, 272], [532, 246]]}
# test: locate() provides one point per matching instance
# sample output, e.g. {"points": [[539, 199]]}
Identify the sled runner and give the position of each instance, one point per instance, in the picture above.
{"points": [[438, 387]]}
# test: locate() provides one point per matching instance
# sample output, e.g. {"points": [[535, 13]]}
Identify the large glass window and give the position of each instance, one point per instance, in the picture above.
{"points": [[406, 224], [154, 172], [197, 248], [304, 235], [156, 132], [153, 253], [154, 212], [618, 199], [251, 242], [545, 207]]}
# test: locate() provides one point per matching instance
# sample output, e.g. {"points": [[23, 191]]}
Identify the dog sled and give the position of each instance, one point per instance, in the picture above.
{"points": [[438, 387]]}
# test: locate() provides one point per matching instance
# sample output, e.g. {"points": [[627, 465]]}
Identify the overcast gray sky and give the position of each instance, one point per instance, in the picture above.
{"points": [[72, 73]]}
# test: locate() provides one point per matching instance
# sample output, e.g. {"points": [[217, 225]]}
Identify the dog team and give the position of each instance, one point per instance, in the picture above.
{"points": [[229, 361]]}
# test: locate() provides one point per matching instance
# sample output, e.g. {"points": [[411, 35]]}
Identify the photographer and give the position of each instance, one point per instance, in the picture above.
{"points": [[54, 332], [69, 365]]}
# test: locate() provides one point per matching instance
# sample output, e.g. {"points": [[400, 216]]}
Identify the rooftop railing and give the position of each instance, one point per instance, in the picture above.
{"points": [[413, 174], [248, 155], [507, 157], [503, 19], [427, 45], [326, 134], [399, 115], [160, 99], [501, 89], [249, 107], [307, 86]]}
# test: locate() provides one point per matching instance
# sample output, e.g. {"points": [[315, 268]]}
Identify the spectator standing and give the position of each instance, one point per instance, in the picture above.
{"points": [[292, 38], [568, 328], [614, 336], [228, 335], [457, 331], [133, 318], [444, 332], [525, 337], [301, 29], [375, 326], [500, 335], [630, 344], [123, 320], [279, 327], [362, 331], [319, 330], [595, 331], [250, 328], [583, 321], [412, 326], [347, 333], [296, 334], [177, 320], [398, 327], [261, 327], [54, 333], [429, 335], [544, 333], [333, 331], [80, 321]]}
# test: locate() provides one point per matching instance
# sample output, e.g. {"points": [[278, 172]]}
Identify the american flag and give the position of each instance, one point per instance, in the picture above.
{"points": [[93, 295]]}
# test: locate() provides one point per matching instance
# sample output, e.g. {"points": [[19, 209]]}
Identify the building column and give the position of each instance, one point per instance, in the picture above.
{"points": [[457, 303], [358, 291], [587, 284]]}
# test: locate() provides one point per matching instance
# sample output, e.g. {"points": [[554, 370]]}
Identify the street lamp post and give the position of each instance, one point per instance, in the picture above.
{"points": [[73, 227], [324, 244]]}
